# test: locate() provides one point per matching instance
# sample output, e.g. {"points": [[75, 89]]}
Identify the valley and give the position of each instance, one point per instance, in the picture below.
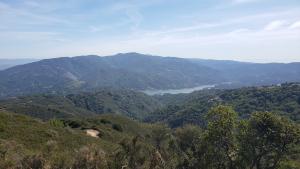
{"points": [[149, 84], [144, 111]]}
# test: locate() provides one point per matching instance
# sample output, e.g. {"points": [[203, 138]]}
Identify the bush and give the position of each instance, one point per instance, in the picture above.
{"points": [[33, 162], [90, 158], [56, 123], [104, 121], [117, 127]]}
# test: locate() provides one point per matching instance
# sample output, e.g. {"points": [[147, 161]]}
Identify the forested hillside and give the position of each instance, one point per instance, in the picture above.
{"points": [[130, 71], [190, 108], [90, 130], [103, 101], [175, 110]]}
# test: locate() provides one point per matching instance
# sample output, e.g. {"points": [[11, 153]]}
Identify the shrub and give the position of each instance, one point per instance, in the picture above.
{"points": [[104, 121], [90, 158], [117, 127], [56, 123], [33, 162]]}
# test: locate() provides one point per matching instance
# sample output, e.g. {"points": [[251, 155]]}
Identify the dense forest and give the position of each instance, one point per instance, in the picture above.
{"points": [[182, 109], [46, 106], [247, 128]]}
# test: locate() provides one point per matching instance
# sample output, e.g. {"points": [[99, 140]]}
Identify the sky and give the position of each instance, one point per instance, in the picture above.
{"points": [[244, 30]]}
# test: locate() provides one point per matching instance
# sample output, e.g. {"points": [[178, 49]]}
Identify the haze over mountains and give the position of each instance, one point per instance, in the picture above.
{"points": [[7, 63], [138, 72]]}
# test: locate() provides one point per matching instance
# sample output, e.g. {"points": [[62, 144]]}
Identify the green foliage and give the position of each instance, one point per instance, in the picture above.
{"points": [[189, 140], [131, 154], [56, 123], [263, 141], [104, 121], [105, 101], [191, 108], [267, 139], [33, 162], [90, 158], [117, 127], [219, 138]]}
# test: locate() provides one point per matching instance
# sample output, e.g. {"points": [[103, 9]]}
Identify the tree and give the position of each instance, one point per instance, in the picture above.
{"points": [[219, 140], [160, 134], [265, 140], [189, 141], [165, 145]]}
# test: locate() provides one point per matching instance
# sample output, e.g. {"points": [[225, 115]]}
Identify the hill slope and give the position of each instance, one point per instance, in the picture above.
{"points": [[191, 108], [27, 141], [131, 70], [123, 102], [138, 72]]}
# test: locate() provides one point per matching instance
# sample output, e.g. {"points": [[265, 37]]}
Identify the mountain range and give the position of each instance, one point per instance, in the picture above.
{"points": [[138, 72]]}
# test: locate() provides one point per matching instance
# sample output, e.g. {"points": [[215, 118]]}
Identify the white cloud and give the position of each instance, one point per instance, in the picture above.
{"points": [[274, 25], [295, 25]]}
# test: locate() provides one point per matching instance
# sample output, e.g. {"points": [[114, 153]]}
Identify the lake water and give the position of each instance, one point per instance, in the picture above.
{"points": [[177, 91]]}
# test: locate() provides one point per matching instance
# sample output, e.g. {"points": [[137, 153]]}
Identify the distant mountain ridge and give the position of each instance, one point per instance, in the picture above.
{"points": [[253, 74], [131, 71], [138, 72]]}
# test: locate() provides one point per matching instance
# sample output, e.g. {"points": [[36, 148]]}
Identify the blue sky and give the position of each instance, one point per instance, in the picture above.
{"points": [[245, 30]]}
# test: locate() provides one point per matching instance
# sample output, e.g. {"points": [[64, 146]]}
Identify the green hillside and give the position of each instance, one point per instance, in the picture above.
{"points": [[123, 143], [190, 108], [46, 106], [58, 143]]}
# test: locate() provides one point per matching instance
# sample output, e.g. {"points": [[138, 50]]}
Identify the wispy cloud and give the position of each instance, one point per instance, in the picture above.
{"points": [[108, 27], [257, 19], [295, 25], [275, 25], [16, 15]]}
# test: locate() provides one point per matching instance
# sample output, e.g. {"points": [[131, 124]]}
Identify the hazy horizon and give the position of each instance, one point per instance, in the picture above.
{"points": [[37, 59], [260, 31]]}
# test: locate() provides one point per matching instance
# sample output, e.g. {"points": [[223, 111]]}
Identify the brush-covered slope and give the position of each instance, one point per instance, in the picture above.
{"points": [[114, 142], [123, 102], [131, 70], [26, 141]]}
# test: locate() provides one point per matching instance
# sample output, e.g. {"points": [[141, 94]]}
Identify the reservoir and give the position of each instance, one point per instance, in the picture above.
{"points": [[177, 91]]}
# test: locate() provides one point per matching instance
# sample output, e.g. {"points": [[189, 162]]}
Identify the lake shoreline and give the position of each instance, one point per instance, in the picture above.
{"points": [[178, 91]]}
